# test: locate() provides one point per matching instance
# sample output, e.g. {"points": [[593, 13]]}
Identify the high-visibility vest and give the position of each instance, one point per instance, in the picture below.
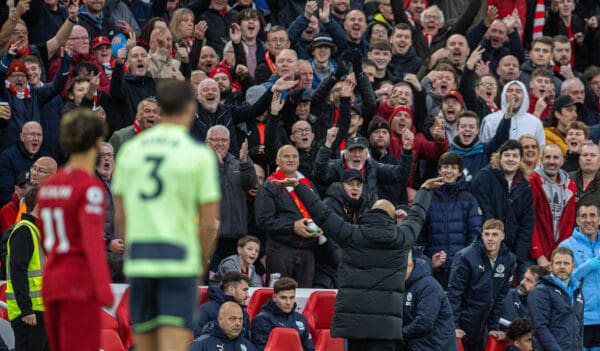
{"points": [[34, 273]]}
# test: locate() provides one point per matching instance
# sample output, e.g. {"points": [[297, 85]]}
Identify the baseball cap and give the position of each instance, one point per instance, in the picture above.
{"points": [[351, 174], [562, 101], [357, 141]]}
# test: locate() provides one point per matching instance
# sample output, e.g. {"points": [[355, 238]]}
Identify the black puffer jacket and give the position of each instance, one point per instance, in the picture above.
{"points": [[373, 267], [126, 91]]}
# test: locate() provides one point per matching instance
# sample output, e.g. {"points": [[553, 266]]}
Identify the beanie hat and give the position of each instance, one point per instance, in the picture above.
{"points": [[16, 66], [377, 122]]}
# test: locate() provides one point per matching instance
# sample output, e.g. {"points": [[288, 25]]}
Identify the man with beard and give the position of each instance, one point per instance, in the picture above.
{"points": [[515, 304], [453, 105], [356, 156], [515, 101], [554, 204], [404, 56], [148, 115], [455, 52], [229, 91], [585, 245], [539, 56], [587, 177], [18, 158], [561, 58], [466, 143]]}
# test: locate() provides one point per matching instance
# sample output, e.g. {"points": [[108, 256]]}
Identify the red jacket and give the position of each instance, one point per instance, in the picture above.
{"points": [[8, 213], [506, 7], [542, 241]]}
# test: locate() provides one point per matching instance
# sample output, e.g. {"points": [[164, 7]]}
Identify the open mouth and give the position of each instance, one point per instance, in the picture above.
{"points": [[211, 98], [467, 137], [444, 89]]}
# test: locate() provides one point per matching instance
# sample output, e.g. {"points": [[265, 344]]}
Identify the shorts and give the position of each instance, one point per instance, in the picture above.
{"points": [[158, 302]]}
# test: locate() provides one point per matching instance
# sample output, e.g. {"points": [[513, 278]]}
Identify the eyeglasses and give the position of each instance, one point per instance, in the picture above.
{"points": [[19, 32], [106, 154], [278, 40], [80, 38], [39, 170], [303, 131], [488, 85], [33, 134]]}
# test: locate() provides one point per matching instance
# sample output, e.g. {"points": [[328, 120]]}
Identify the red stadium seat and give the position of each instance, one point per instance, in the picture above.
{"points": [[318, 313], [258, 298], [110, 341], [107, 321], [124, 320], [202, 295], [284, 339], [459, 344], [327, 343], [494, 344]]}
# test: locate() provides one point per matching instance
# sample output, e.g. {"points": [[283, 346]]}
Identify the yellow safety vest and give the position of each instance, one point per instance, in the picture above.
{"points": [[34, 273]]}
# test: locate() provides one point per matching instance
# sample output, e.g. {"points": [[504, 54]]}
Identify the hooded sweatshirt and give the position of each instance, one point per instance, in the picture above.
{"points": [[554, 205], [521, 123]]}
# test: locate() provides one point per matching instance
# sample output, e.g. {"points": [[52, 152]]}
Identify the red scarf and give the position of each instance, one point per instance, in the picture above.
{"points": [[539, 19], [571, 37], [136, 127], [261, 132], [26, 94], [493, 108], [278, 175], [269, 62]]}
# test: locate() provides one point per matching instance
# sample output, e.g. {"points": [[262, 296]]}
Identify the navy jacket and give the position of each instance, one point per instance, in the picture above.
{"points": [[427, 318], [453, 220], [476, 290], [215, 339], [271, 317], [13, 161], [210, 310], [372, 268], [514, 306], [557, 319], [514, 207]]}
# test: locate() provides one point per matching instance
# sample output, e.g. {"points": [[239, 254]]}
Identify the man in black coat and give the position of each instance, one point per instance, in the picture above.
{"points": [[368, 307]]}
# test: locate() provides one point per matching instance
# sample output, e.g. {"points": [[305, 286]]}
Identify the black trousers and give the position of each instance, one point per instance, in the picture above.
{"points": [[373, 345], [286, 261], [30, 338]]}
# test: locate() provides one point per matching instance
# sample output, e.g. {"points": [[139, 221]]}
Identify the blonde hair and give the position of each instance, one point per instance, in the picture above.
{"points": [[176, 19]]}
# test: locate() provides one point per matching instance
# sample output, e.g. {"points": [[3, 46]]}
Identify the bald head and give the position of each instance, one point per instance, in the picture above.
{"points": [[385, 205], [231, 319], [42, 169]]}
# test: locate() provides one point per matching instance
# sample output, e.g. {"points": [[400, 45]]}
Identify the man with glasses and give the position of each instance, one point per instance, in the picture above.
{"points": [[237, 176], [277, 41], [19, 158]]}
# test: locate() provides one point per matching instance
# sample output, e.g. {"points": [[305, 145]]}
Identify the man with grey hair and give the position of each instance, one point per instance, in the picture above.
{"points": [[237, 176], [148, 115], [554, 205], [586, 111]]}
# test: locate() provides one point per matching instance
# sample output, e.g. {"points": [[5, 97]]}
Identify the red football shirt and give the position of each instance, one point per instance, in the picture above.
{"points": [[71, 205]]}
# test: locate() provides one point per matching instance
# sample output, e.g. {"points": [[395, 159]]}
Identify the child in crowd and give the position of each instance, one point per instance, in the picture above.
{"points": [[248, 248]]}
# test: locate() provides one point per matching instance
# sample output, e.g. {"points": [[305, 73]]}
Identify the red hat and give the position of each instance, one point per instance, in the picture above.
{"points": [[406, 109], [16, 66], [455, 94], [99, 41], [218, 70]]}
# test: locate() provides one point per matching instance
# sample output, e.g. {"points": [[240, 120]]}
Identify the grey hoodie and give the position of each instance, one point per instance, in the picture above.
{"points": [[521, 123], [557, 194], [232, 264]]}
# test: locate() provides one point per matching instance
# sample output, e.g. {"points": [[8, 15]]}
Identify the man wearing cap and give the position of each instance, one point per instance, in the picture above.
{"points": [[148, 115], [102, 51], [356, 156], [230, 90], [453, 104], [19, 158], [321, 51], [25, 101], [564, 112], [347, 199]]}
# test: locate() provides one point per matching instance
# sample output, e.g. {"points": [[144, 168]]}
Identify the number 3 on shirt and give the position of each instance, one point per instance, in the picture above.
{"points": [[156, 161], [54, 217]]}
